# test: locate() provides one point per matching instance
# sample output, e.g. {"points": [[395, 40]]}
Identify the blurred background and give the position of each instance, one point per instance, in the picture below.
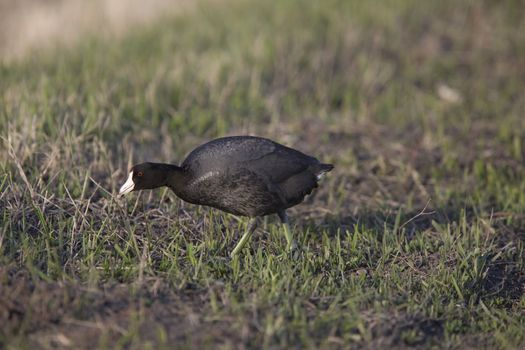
{"points": [[30, 24]]}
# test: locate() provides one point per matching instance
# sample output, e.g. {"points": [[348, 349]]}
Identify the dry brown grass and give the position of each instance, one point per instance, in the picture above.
{"points": [[31, 24]]}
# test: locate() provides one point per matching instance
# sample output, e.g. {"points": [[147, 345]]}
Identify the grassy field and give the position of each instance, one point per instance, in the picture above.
{"points": [[416, 239]]}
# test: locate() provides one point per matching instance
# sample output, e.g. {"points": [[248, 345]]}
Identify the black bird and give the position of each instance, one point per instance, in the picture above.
{"points": [[242, 175]]}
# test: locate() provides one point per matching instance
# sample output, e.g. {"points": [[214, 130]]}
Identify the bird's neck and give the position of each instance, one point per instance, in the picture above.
{"points": [[176, 177]]}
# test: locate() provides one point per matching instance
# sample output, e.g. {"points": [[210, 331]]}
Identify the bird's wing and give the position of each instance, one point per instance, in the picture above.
{"points": [[269, 160], [227, 151], [279, 165]]}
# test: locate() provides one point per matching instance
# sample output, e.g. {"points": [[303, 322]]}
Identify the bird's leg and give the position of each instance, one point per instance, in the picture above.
{"points": [[252, 225], [292, 245]]}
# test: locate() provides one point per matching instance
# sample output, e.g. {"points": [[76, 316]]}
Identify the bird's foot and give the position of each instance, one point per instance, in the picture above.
{"points": [[292, 246], [294, 251]]}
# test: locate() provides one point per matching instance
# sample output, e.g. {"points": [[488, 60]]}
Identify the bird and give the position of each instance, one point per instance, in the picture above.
{"points": [[242, 175]]}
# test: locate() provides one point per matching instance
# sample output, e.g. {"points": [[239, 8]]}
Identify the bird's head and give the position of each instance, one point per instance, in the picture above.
{"points": [[144, 176]]}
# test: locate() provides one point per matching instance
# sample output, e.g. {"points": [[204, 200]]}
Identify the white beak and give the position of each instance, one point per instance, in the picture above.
{"points": [[128, 185]]}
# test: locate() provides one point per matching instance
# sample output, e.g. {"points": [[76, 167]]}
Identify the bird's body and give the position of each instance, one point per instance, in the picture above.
{"points": [[242, 175], [249, 176]]}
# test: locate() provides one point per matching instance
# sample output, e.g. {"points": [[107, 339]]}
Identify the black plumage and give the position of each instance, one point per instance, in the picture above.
{"points": [[242, 175]]}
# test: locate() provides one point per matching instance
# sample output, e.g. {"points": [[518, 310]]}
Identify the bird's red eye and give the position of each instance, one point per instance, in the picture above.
{"points": [[140, 173]]}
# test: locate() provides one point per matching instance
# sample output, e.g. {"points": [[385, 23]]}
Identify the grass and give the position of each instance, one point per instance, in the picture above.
{"points": [[414, 240]]}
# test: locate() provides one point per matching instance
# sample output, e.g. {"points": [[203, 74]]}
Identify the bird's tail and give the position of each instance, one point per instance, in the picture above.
{"points": [[320, 169], [326, 167]]}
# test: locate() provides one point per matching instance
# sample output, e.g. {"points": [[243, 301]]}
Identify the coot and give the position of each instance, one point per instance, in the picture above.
{"points": [[242, 175]]}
